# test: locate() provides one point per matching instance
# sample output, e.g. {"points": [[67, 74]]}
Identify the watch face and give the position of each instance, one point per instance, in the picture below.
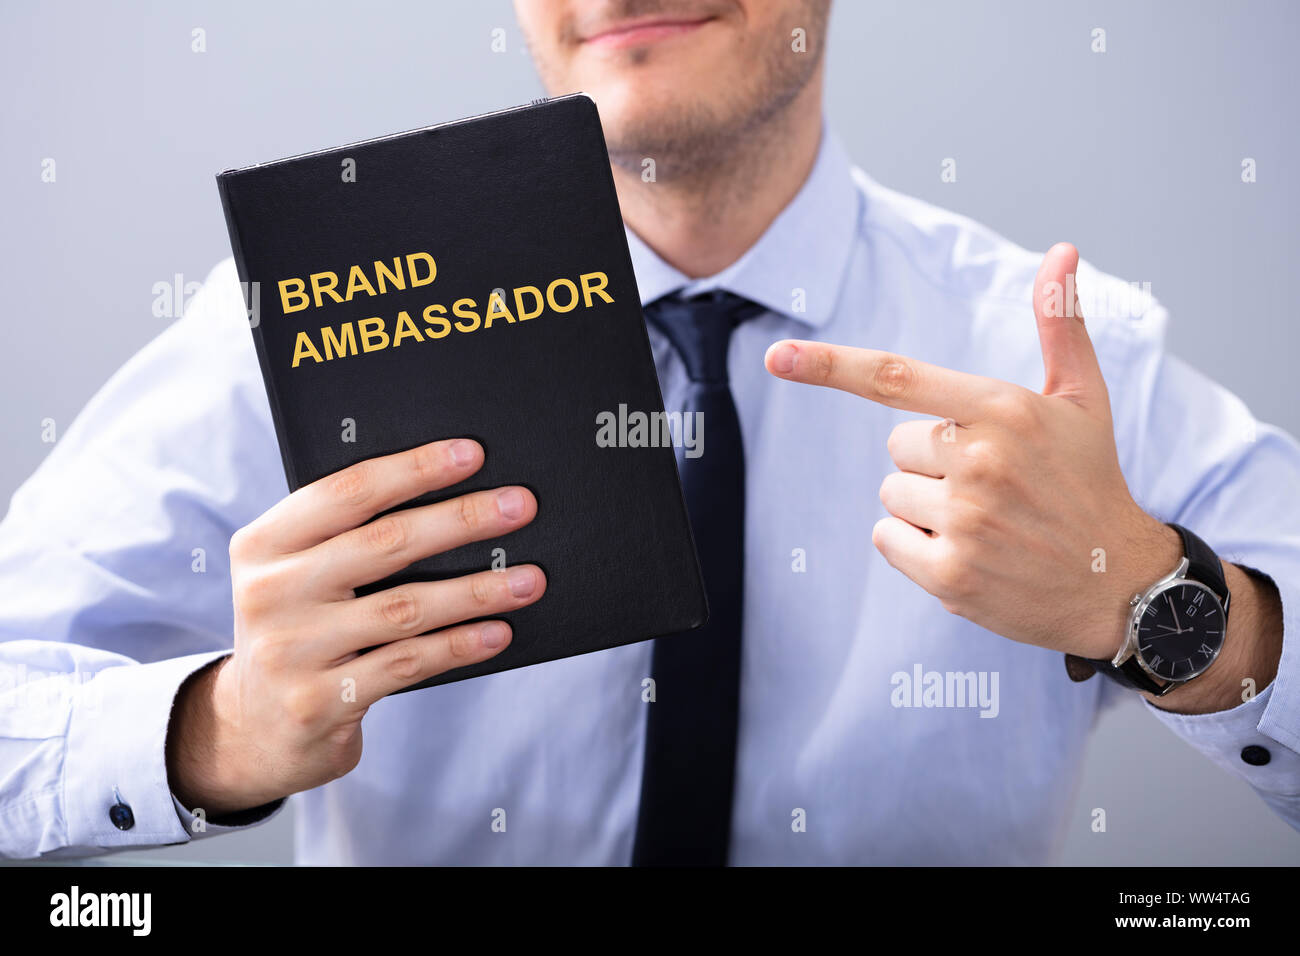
{"points": [[1180, 630]]}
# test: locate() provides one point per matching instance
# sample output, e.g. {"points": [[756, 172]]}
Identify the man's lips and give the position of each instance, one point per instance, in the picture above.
{"points": [[637, 32]]}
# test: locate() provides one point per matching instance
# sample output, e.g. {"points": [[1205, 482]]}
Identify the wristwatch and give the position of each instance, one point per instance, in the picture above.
{"points": [[1175, 628]]}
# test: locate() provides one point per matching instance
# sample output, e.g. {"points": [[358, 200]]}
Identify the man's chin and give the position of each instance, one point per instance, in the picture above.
{"points": [[634, 120]]}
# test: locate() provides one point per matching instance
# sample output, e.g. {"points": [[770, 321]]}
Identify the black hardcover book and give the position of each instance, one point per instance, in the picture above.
{"points": [[472, 279]]}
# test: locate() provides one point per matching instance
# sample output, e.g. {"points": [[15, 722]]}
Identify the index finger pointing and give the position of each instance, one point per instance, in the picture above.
{"points": [[883, 377]]}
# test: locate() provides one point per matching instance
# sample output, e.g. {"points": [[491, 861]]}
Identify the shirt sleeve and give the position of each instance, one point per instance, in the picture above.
{"points": [[1194, 454], [115, 585]]}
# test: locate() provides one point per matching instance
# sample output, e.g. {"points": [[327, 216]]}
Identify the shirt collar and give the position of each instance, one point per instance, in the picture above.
{"points": [[806, 248]]}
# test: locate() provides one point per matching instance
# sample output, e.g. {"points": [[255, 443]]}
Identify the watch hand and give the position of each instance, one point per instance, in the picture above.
{"points": [[1171, 607]]}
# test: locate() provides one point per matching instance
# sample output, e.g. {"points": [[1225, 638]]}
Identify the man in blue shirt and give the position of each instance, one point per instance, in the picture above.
{"points": [[903, 696]]}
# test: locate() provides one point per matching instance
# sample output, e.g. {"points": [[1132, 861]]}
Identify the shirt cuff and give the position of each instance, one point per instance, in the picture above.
{"points": [[1234, 740], [115, 789], [198, 825]]}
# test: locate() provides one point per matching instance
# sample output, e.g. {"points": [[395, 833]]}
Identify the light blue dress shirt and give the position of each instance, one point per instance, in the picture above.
{"points": [[114, 585]]}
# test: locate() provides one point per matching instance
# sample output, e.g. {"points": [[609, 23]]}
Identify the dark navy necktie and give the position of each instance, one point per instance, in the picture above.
{"points": [[688, 776]]}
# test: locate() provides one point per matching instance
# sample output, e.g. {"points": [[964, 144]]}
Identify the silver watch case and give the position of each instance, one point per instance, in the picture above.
{"points": [[1140, 603]]}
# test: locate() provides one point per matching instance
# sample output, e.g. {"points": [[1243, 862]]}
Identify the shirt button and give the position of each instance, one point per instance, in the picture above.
{"points": [[1255, 755], [121, 816]]}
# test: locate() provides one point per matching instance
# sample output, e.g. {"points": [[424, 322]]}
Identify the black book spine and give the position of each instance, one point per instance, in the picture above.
{"points": [[252, 307]]}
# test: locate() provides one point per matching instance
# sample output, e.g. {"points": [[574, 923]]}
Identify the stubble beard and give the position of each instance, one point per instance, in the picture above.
{"points": [[698, 143]]}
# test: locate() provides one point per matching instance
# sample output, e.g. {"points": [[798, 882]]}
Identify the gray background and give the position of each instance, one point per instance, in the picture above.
{"points": [[1134, 155]]}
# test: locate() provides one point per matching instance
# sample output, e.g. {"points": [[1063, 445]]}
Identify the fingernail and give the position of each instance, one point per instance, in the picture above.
{"points": [[522, 581], [493, 634], [462, 452], [511, 503], [782, 359]]}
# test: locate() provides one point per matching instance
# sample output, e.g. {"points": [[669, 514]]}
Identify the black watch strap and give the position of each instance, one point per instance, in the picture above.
{"points": [[1202, 565], [1130, 674]]}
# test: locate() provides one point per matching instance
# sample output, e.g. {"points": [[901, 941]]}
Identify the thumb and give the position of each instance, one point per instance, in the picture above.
{"points": [[1068, 356]]}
